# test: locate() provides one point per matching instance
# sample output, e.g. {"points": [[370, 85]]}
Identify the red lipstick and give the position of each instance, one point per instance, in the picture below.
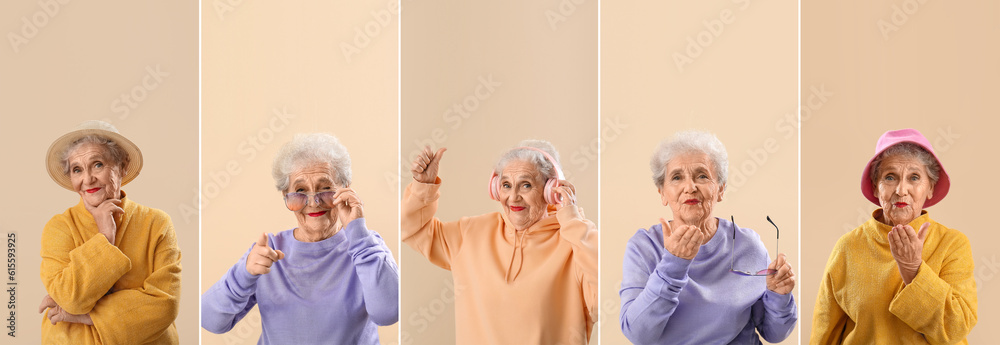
{"points": [[93, 190], [901, 204], [317, 214], [517, 208], [692, 201]]}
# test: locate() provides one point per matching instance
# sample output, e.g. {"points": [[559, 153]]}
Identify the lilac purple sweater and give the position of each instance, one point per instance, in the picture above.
{"points": [[335, 291], [669, 300]]}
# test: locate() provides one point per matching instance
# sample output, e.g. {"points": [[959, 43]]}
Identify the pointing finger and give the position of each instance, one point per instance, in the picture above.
{"points": [[262, 240]]}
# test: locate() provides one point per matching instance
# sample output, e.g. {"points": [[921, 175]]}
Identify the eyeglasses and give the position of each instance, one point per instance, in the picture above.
{"points": [[763, 272], [298, 201]]}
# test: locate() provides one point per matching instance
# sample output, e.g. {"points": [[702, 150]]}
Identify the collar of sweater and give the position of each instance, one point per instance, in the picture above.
{"points": [[880, 231]]}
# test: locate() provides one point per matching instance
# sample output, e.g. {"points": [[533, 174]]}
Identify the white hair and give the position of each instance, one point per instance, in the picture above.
{"points": [[113, 152], [690, 142], [911, 150], [546, 168], [307, 149]]}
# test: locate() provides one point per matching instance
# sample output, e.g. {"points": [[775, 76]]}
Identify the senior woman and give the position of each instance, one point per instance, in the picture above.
{"points": [[887, 282], [111, 266], [529, 271], [329, 280], [678, 284]]}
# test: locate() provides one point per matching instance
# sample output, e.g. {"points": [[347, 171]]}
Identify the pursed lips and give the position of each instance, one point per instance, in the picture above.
{"points": [[692, 201]]}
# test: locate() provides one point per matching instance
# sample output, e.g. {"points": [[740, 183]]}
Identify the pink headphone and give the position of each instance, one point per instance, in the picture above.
{"points": [[551, 196]]}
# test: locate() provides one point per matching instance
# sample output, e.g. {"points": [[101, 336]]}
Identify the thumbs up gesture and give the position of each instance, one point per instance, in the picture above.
{"points": [[426, 165], [261, 257]]}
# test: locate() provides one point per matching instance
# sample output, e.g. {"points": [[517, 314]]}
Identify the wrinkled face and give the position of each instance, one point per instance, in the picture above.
{"points": [[93, 176], [310, 180], [690, 187], [521, 194], [902, 188]]}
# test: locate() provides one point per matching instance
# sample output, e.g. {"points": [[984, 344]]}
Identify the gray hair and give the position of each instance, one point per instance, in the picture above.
{"points": [[690, 142], [306, 149], [113, 152], [911, 150], [547, 169]]}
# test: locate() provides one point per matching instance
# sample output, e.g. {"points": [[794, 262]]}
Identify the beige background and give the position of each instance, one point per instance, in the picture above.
{"points": [[742, 87], [937, 73], [547, 90], [73, 69], [271, 70]]}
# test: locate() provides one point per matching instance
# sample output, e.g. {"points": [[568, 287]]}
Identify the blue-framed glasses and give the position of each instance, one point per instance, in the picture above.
{"points": [[763, 272]]}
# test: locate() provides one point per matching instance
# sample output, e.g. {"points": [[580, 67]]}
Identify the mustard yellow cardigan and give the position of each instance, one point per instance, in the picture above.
{"points": [[131, 291], [862, 298]]}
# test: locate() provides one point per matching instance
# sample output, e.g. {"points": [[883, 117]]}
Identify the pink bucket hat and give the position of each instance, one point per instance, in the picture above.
{"points": [[891, 138]]}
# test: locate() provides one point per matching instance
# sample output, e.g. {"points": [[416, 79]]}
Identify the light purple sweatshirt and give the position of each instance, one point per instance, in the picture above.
{"points": [[669, 300], [335, 291]]}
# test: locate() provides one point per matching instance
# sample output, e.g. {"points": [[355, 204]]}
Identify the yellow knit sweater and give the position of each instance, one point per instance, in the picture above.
{"points": [[862, 298], [131, 291]]}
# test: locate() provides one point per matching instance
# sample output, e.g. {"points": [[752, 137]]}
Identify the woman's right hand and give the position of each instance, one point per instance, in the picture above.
{"points": [[104, 215], [683, 241], [261, 257], [425, 166]]}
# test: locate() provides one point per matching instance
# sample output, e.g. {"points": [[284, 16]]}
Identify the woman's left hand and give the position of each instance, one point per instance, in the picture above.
{"points": [[783, 281], [907, 248], [57, 314], [567, 194], [348, 205]]}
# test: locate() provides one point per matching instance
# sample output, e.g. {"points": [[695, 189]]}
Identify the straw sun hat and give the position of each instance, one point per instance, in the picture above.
{"points": [[53, 158]]}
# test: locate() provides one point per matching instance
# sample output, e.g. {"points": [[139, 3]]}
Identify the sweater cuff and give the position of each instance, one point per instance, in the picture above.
{"points": [[673, 274], [356, 230], [243, 279], [359, 238], [779, 303], [425, 192], [925, 293]]}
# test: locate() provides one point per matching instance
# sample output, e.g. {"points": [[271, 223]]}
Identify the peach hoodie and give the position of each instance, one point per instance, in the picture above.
{"points": [[537, 286]]}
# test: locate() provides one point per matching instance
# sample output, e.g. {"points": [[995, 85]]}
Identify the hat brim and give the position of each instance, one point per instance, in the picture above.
{"points": [[940, 188], [54, 165]]}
